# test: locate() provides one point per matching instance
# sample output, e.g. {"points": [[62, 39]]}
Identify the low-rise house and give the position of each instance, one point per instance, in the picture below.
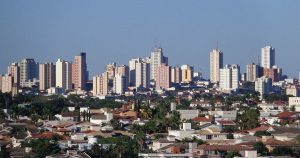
{"points": [[224, 115], [216, 151], [225, 123], [68, 116], [185, 132], [202, 120], [288, 117], [101, 118], [188, 114], [210, 133]]}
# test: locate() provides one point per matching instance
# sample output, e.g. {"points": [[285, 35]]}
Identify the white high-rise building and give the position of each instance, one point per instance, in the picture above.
{"points": [[216, 63], [142, 75], [120, 84], [267, 57], [63, 75], [157, 58], [132, 66], [263, 85], [229, 77]]}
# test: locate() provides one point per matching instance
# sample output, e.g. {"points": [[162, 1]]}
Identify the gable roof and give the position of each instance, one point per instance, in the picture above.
{"points": [[285, 114]]}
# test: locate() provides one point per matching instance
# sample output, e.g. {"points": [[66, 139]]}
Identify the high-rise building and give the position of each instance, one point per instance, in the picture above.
{"points": [[29, 70], [267, 57], [176, 74], [47, 76], [6, 83], [163, 75], [271, 73], [14, 71], [79, 71], [187, 73], [253, 72], [63, 74], [132, 65], [142, 71], [216, 63], [100, 84], [111, 70], [229, 77], [263, 85], [123, 70], [235, 79], [157, 58], [120, 84]]}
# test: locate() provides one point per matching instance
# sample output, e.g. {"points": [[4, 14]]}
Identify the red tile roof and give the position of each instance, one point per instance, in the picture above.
{"points": [[45, 135], [261, 128], [285, 114], [201, 119], [223, 147], [226, 122]]}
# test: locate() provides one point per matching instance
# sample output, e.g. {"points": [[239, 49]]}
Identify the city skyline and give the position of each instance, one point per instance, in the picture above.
{"points": [[109, 32]]}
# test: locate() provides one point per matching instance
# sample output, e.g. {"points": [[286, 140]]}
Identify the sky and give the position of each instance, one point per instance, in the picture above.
{"points": [[116, 31]]}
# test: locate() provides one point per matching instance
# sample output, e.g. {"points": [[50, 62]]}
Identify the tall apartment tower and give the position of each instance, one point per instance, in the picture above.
{"points": [[157, 58], [47, 76], [63, 74], [267, 57], [111, 70], [229, 77], [187, 73], [253, 72], [176, 74], [216, 63], [123, 70], [132, 66], [29, 69], [14, 71], [163, 77], [79, 71], [120, 84], [142, 77], [100, 84]]}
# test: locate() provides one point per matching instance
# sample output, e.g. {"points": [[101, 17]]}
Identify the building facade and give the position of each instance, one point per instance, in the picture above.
{"points": [[176, 74], [187, 73], [157, 58], [79, 71], [63, 77], [216, 63], [100, 84], [142, 75], [47, 76], [267, 57], [163, 77]]}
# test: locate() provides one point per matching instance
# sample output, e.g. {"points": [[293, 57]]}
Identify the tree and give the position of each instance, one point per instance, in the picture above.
{"points": [[262, 133], [282, 151], [261, 149], [248, 120], [232, 154], [3, 115], [116, 124]]}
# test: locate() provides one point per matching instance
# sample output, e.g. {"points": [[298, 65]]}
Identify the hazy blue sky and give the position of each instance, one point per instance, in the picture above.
{"points": [[120, 30]]}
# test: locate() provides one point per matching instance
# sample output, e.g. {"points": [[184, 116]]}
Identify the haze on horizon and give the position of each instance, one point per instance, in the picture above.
{"points": [[120, 30]]}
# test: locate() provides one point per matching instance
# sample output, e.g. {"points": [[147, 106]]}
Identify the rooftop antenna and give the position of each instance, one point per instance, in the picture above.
{"points": [[258, 60], [217, 45]]}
